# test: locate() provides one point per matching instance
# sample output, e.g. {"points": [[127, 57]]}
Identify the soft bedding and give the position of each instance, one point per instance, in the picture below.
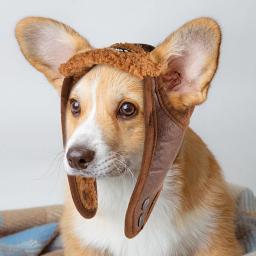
{"points": [[32, 232]]}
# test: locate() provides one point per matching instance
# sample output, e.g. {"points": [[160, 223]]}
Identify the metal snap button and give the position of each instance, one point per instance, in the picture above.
{"points": [[141, 221], [145, 204]]}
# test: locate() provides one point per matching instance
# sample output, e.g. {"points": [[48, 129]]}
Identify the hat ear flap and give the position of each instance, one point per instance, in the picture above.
{"points": [[189, 58]]}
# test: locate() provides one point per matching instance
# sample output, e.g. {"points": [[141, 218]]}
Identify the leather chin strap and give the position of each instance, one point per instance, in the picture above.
{"points": [[163, 138], [83, 190], [164, 133]]}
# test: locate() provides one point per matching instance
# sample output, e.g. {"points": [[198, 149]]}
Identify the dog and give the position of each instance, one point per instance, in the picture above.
{"points": [[195, 213]]}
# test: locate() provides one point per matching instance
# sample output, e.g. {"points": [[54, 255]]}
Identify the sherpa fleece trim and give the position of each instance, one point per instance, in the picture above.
{"points": [[127, 57]]}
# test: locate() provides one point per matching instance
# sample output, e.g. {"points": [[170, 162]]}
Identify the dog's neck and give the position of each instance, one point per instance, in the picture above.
{"points": [[114, 194]]}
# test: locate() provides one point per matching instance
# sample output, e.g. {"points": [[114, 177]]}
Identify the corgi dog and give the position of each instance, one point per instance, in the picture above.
{"points": [[195, 213]]}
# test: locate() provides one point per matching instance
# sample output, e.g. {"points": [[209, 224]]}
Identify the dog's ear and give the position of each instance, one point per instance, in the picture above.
{"points": [[47, 43], [189, 57]]}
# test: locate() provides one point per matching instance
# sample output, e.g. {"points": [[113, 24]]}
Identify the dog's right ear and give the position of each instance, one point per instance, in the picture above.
{"points": [[47, 43], [189, 59]]}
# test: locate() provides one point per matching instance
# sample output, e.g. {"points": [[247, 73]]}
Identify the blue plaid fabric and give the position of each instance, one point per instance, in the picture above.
{"points": [[246, 220], [30, 242]]}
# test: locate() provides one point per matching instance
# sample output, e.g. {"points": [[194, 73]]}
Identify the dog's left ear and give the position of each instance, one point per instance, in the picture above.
{"points": [[189, 58]]}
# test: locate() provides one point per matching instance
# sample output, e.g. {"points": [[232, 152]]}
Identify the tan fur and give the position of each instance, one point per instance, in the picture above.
{"points": [[203, 185], [201, 178]]}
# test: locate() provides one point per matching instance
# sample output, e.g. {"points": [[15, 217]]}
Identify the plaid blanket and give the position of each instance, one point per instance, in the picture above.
{"points": [[246, 220], [32, 232]]}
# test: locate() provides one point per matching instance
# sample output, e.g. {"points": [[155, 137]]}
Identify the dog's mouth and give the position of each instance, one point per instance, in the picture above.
{"points": [[115, 164]]}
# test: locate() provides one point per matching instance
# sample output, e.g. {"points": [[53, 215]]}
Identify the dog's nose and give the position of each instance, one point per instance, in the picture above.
{"points": [[79, 158]]}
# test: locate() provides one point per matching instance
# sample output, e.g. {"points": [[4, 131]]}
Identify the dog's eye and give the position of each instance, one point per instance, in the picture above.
{"points": [[75, 107], [127, 110]]}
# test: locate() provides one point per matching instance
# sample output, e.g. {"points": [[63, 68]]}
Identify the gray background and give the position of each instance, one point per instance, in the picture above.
{"points": [[30, 137]]}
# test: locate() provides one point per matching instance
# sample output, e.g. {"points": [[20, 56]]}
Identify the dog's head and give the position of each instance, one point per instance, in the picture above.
{"points": [[105, 119]]}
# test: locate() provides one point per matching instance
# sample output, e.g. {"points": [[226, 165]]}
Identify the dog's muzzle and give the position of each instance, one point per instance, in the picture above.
{"points": [[164, 130]]}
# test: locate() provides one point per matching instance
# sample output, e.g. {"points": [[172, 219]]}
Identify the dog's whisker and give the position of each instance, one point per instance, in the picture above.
{"points": [[117, 167], [114, 163], [52, 166], [126, 167], [105, 160]]}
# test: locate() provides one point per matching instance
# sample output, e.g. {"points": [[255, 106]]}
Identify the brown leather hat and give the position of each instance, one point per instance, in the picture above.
{"points": [[164, 130]]}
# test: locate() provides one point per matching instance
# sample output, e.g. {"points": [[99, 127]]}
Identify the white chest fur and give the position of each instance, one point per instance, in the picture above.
{"points": [[161, 236]]}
